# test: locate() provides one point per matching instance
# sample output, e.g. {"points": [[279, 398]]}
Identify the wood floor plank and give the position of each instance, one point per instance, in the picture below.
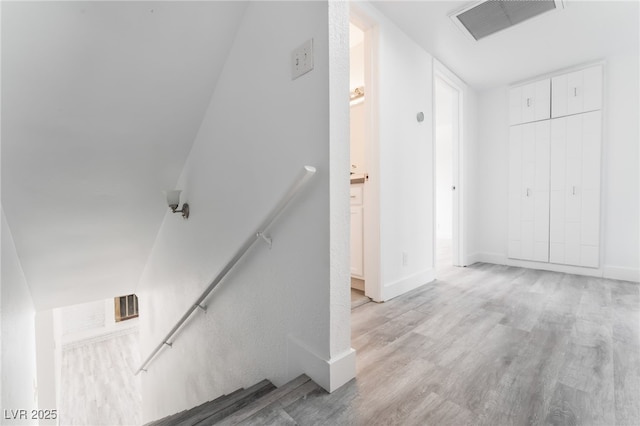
{"points": [[497, 345], [626, 375], [524, 393]]}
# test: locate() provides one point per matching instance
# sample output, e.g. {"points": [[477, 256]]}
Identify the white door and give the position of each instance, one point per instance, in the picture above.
{"points": [[575, 189], [529, 191], [577, 92]]}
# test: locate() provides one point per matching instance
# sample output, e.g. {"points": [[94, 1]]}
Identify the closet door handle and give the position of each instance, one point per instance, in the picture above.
{"points": [[575, 91], [527, 192], [574, 191], [528, 102]]}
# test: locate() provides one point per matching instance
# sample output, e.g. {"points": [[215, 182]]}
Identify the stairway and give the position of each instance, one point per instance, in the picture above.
{"points": [[261, 404]]}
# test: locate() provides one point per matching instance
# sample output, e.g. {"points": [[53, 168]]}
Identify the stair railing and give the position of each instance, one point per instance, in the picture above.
{"points": [[259, 234]]}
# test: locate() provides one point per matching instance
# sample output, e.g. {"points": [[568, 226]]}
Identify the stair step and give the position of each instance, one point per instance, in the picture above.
{"points": [[177, 417], [243, 398], [217, 409], [268, 409]]}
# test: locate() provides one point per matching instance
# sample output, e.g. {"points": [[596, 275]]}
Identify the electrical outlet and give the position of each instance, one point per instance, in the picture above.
{"points": [[302, 59], [405, 258]]}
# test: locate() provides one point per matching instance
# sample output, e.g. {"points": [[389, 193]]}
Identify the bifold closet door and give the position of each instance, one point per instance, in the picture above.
{"points": [[529, 191], [575, 189]]}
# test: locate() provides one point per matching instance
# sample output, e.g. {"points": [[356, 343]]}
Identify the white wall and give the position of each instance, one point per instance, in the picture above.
{"points": [[405, 162], [621, 183], [621, 162], [46, 352], [356, 66], [272, 317], [19, 380], [471, 199]]}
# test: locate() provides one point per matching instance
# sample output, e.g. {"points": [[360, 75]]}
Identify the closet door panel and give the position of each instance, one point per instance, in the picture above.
{"points": [[515, 106], [556, 252], [575, 93], [591, 150], [515, 159], [590, 217], [574, 227], [528, 102], [592, 88], [527, 240], [542, 100], [515, 202], [558, 150], [572, 243], [542, 146], [559, 98], [515, 191], [541, 218], [589, 256]]}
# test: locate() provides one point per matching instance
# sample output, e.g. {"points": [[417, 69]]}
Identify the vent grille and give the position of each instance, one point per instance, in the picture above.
{"points": [[490, 16]]}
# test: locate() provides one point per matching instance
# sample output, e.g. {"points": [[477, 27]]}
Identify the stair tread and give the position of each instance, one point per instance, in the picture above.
{"points": [[176, 417], [270, 415], [275, 400], [230, 406]]}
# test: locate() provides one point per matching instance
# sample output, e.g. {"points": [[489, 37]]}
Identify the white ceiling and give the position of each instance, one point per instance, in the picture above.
{"points": [[583, 31], [101, 102]]}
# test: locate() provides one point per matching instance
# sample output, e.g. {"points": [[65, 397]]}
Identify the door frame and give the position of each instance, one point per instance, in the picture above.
{"points": [[458, 232], [361, 16]]}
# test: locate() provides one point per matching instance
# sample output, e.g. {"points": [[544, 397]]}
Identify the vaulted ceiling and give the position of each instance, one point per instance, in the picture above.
{"points": [[101, 102]]}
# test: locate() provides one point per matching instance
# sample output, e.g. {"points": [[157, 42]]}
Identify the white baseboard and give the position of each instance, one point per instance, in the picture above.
{"points": [[607, 271], [98, 335], [331, 374], [495, 258], [396, 288], [621, 273], [554, 267]]}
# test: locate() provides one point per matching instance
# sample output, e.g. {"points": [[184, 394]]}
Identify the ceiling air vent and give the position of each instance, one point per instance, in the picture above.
{"points": [[490, 16]]}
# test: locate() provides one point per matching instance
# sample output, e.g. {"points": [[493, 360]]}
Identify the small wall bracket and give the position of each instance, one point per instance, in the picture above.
{"points": [[265, 238], [168, 344], [204, 308]]}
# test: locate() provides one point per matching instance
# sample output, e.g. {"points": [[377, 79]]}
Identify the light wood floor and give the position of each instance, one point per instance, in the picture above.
{"points": [[97, 383], [491, 345], [358, 298]]}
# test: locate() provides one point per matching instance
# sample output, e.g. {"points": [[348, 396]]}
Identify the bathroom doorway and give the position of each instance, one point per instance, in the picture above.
{"points": [[447, 136]]}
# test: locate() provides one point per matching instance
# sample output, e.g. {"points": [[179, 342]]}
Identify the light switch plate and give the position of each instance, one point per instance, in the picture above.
{"points": [[302, 59]]}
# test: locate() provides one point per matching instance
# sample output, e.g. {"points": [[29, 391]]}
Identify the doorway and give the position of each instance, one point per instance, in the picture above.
{"points": [[357, 161], [447, 137]]}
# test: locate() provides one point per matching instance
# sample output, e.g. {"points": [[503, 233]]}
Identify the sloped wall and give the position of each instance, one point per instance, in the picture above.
{"points": [[19, 381], [271, 317]]}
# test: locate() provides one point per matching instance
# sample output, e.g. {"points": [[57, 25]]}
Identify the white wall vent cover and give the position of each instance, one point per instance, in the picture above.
{"points": [[490, 16]]}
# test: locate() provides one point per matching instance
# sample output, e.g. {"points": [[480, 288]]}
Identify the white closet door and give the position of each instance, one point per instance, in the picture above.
{"points": [[531, 102], [577, 92], [559, 96], [542, 100], [592, 88], [575, 190], [515, 191], [529, 191]]}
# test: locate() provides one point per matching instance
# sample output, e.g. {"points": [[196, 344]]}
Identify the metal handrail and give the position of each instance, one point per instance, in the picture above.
{"points": [[307, 172]]}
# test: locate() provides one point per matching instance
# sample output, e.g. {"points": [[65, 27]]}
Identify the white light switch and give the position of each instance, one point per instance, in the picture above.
{"points": [[302, 59]]}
